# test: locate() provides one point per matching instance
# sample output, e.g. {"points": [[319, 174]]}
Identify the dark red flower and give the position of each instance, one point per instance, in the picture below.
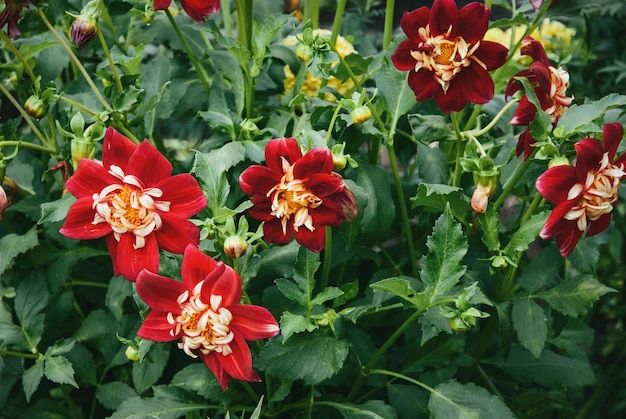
{"points": [[204, 314], [584, 194], [537, 3], [133, 201], [446, 55], [198, 10], [550, 86], [297, 194], [10, 16]]}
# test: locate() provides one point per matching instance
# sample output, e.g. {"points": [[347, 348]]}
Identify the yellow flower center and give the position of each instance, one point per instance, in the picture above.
{"points": [[444, 56], [129, 207], [292, 198], [599, 193], [205, 327]]}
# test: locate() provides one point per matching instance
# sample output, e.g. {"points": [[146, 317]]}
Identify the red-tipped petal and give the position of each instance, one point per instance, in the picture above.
{"points": [[224, 281], [89, 178], [253, 322], [212, 362], [116, 149], [279, 148], [525, 113], [196, 266], [611, 137], [159, 292], [317, 160], [525, 144], [149, 165], [79, 225], [259, 180], [556, 183], [534, 49], [184, 195], [473, 22], [176, 233], [402, 58], [131, 261], [444, 15], [312, 240], [412, 21], [239, 363], [155, 327]]}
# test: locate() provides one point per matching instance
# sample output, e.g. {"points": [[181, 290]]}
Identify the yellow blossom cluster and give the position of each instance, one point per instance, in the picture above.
{"points": [[313, 84]]}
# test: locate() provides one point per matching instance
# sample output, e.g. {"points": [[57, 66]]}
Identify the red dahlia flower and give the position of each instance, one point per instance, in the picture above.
{"points": [[198, 10], [204, 313], [10, 16], [297, 194], [584, 194], [133, 201], [550, 86], [446, 55]]}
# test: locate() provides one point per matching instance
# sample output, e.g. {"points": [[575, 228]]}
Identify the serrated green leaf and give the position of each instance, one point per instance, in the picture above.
{"points": [[435, 197], [395, 91], [97, 325], [32, 377], [291, 290], [580, 117], [118, 291], [11, 335], [294, 323], [466, 401], [310, 358], [14, 244], [61, 347], [401, 288], [30, 303], [542, 270], [220, 122], [329, 293], [379, 212], [432, 165], [530, 323], [430, 128], [198, 378], [585, 255], [574, 297], [212, 180], [162, 408], [264, 34], [441, 267], [307, 263], [490, 223], [56, 210], [372, 409], [147, 373], [526, 234], [114, 393], [59, 370]]}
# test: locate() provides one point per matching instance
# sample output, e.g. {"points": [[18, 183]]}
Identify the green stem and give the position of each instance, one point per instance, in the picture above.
{"points": [[456, 177], [388, 31], [312, 11], [76, 105], [89, 284], [381, 351], [75, 59], [332, 124], [202, 75], [105, 47], [4, 352], [405, 378], [25, 144], [27, 118], [341, 7], [495, 119], [227, 17], [510, 183], [328, 253], [250, 391], [20, 58], [70, 402]]}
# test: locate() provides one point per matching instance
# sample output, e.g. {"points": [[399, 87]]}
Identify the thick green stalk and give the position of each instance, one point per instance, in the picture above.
{"points": [[226, 17], [388, 31], [107, 52], [202, 75], [4, 352], [328, 253], [510, 184], [456, 177], [341, 7]]}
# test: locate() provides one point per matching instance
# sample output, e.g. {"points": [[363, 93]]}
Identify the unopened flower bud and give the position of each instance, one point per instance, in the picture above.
{"points": [[304, 52], [82, 148], [347, 203], [458, 325], [339, 162], [486, 183], [235, 247], [132, 353], [360, 114], [83, 30], [4, 201], [36, 107]]}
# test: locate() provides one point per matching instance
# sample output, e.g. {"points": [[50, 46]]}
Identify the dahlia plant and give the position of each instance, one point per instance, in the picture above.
{"points": [[311, 209]]}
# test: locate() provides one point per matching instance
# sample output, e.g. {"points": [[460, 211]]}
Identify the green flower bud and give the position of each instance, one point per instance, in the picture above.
{"points": [[360, 114], [235, 247], [132, 353], [36, 107], [82, 148], [304, 52]]}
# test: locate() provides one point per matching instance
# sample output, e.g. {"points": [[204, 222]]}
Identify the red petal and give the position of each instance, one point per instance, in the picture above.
{"points": [[212, 362], [253, 322], [176, 233], [196, 266], [131, 261], [224, 281], [239, 363], [261, 210], [116, 149], [312, 240], [184, 194], [473, 22], [79, 225], [568, 238], [555, 221], [556, 182], [452, 101], [155, 327], [317, 160], [112, 247], [525, 112], [476, 84], [412, 21], [278, 148], [259, 179], [443, 16], [198, 10], [423, 84], [159, 292], [148, 165], [525, 144], [328, 214], [323, 185], [89, 178], [589, 152], [611, 137], [534, 49], [273, 231], [599, 225], [402, 58], [161, 4], [492, 54]]}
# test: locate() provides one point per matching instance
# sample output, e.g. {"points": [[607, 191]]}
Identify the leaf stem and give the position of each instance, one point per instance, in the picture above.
{"points": [[20, 58], [388, 30], [27, 118], [4, 352], [328, 253], [341, 7], [105, 47]]}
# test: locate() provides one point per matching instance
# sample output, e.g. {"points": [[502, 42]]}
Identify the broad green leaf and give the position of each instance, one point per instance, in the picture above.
{"points": [[59, 370], [409, 401], [118, 291], [550, 370], [585, 255], [14, 244], [212, 180], [156, 407], [401, 288], [294, 323], [429, 128], [490, 222], [530, 323], [329, 293], [466, 401], [526, 234], [32, 377], [60, 347], [198, 378], [97, 325], [56, 210], [84, 365], [28, 50], [379, 212], [264, 34], [307, 264], [581, 117], [292, 291], [435, 197], [372, 409], [442, 267], [220, 121], [542, 270], [113, 393], [432, 165], [11, 335], [30, 303], [393, 87], [147, 373], [310, 358], [574, 297], [229, 77]]}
